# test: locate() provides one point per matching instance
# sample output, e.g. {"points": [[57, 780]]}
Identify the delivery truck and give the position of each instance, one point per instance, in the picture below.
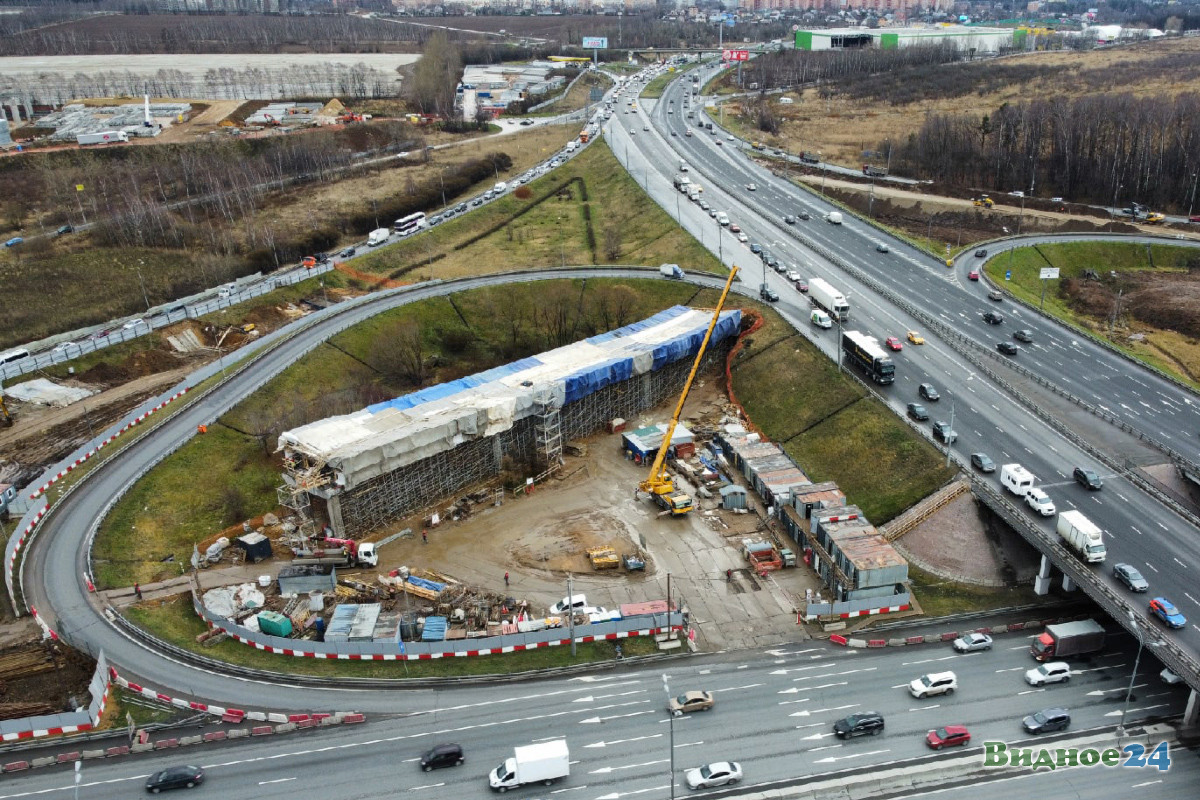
{"points": [[1068, 639], [1082, 535], [820, 319], [378, 237], [828, 299], [671, 271], [544, 762], [103, 137]]}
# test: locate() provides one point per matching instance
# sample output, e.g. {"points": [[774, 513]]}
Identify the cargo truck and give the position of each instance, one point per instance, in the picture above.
{"points": [[1082, 535], [104, 137], [873, 171], [378, 237], [1068, 639], [671, 271], [828, 299], [338, 553], [544, 762], [865, 353]]}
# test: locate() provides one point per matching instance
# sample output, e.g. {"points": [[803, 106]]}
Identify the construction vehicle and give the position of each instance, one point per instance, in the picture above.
{"points": [[338, 552], [1154, 218], [763, 556], [983, 201], [660, 486], [634, 563], [6, 419], [603, 558]]}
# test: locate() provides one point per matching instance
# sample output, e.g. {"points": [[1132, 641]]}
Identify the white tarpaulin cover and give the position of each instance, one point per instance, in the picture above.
{"points": [[390, 435]]}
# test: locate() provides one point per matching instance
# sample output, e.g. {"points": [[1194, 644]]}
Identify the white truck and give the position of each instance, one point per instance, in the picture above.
{"points": [[1082, 535], [544, 762], [722, 218], [834, 218], [820, 319], [1016, 479], [103, 137], [828, 299], [671, 271], [378, 237]]}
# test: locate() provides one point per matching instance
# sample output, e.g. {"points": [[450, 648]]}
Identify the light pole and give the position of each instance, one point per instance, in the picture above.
{"points": [[442, 182], [1112, 212], [822, 171], [1137, 631], [671, 723], [1021, 219], [1192, 202], [142, 281]]}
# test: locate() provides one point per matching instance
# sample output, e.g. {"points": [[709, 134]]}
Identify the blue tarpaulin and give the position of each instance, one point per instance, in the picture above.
{"points": [[434, 630]]}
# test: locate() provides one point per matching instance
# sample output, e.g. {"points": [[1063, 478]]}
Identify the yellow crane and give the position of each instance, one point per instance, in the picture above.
{"points": [[660, 486]]}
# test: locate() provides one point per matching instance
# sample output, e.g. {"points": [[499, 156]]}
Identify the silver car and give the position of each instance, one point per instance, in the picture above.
{"points": [[971, 642], [720, 773]]}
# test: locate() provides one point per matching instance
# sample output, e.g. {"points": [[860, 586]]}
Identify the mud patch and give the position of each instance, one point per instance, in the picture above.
{"points": [[561, 545]]}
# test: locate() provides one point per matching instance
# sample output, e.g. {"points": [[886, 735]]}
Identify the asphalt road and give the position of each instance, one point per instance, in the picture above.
{"points": [[774, 714], [1139, 530]]}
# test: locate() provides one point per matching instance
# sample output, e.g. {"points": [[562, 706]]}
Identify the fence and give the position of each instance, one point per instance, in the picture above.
{"points": [[68, 721]]}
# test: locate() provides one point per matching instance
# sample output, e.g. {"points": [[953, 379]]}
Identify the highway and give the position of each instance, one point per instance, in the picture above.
{"points": [[774, 713], [1139, 529]]}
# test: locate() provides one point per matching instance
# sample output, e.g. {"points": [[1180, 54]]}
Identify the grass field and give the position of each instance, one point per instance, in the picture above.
{"points": [[579, 95], [942, 598], [176, 622]]}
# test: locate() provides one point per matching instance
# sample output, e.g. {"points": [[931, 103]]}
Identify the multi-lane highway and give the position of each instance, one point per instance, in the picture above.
{"points": [[1139, 529]]}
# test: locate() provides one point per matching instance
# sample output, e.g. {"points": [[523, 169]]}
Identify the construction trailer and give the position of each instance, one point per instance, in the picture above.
{"points": [[358, 472], [853, 558]]}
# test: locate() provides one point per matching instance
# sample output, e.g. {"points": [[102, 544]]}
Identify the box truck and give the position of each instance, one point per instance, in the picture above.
{"points": [[1068, 639], [544, 762], [828, 299], [1016, 479], [1082, 535], [834, 218], [671, 271], [103, 137], [378, 237]]}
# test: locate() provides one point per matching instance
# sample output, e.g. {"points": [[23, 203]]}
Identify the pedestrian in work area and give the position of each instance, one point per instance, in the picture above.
{"points": [[137, 590], [729, 576], [506, 579], [424, 537]]}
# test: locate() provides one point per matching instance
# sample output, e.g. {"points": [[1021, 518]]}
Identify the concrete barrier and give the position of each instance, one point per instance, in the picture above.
{"points": [[166, 744], [286, 727], [877, 643], [66, 758], [240, 733], [256, 716], [184, 741], [44, 761], [261, 730], [216, 736], [16, 766], [93, 754], [272, 717], [122, 750], [860, 643], [352, 718], [837, 638], [897, 642], [307, 723], [141, 747]]}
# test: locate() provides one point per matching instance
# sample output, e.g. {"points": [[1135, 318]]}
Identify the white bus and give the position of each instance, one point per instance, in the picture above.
{"points": [[410, 224], [13, 355]]}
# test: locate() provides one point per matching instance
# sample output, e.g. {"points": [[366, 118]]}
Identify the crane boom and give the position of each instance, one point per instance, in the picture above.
{"points": [[659, 483]]}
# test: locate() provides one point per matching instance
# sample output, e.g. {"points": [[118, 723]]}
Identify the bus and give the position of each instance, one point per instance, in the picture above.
{"points": [[13, 355], [410, 224]]}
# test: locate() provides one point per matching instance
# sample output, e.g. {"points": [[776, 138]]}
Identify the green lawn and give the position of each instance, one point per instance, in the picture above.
{"points": [[939, 597]]}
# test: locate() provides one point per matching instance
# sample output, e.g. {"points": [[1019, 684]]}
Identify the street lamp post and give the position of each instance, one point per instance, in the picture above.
{"points": [[1112, 212], [671, 723], [822, 171], [1137, 631], [1192, 202], [441, 180]]}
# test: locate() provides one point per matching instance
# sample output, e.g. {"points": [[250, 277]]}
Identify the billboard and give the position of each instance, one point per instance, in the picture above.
{"points": [[595, 42], [735, 55]]}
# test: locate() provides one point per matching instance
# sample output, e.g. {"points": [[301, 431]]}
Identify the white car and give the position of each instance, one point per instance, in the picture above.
{"points": [[750, 187], [1040, 502], [793, 276], [133, 323], [1170, 678], [932, 684], [729, 137], [721, 773], [743, 238], [1050, 672]]}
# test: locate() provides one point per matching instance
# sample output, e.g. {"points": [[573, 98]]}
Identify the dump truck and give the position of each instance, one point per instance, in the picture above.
{"points": [[1082, 535], [544, 762], [983, 201], [763, 556], [1068, 639], [338, 553], [822, 295]]}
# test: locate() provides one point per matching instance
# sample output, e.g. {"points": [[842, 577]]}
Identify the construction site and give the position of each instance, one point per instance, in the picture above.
{"points": [[517, 501]]}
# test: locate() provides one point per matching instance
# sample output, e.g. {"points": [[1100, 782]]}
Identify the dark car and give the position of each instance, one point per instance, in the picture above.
{"points": [[773, 263], [918, 412], [321, 257], [1023, 336], [802, 286], [982, 462], [1047, 720], [442, 755], [768, 294], [460, 208], [992, 318], [348, 252], [1128, 575], [868, 722], [995, 294], [1008, 348], [526, 122], [944, 432], [804, 215], [981, 253], [64, 229], [1088, 479], [756, 248], [927, 391], [183, 777]]}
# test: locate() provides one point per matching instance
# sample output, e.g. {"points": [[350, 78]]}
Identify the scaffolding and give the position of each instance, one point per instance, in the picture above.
{"points": [[301, 476], [547, 431]]}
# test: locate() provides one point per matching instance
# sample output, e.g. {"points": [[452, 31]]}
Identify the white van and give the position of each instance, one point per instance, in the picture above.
{"points": [[500, 188], [1016, 479], [820, 319], [571, 145], [722, 218]]}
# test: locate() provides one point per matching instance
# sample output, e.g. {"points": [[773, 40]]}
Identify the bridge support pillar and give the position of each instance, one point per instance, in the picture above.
{"points": [[1191, 714], [1041, 584], [1068, 584]]}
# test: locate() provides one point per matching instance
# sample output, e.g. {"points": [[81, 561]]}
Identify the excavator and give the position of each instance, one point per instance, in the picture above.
{"points": [[660, 486], [983, 201]]}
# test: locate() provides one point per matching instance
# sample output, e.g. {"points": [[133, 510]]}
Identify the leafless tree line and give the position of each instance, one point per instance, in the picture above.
{"points": [[1095, 148], [355, 81], [788, 68]]}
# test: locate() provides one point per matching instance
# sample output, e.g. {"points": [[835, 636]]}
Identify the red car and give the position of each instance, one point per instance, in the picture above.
{"points": [[1194, 219], [734, 229], [973, 275], [893, 343], [948, 736], [802, 285]]}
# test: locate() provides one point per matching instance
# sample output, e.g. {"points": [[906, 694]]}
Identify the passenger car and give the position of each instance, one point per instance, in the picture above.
{"points": [[927, 391], [943, 431], [1008, 348], [802, 286], [1128, 575], [949, 736], [934, 683], [881, 248], [750, 187], [916, 338], [973, 275], [442, 755], [720, 773], [983, 462], [743, 238], [13, 242], [1162, 608], [805, 215], [918, 412], [1047, 720], [893, 343], [1050, 672], [756, 248], [981, 253], [1040, 502], [992, 318], [767, 293], [734, 228], [690, 701], [1023, 336], [64, 229], [972, 642], [867, 722], [1088, 478], [995, 294], [789, 219], [180, 777]]}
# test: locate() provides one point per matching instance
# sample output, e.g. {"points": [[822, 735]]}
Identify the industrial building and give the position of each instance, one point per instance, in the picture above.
{"points": [[360, 471], [964, 37]]}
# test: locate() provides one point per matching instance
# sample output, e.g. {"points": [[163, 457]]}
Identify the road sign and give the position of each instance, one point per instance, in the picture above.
{"points": [[735, 55], [1008, 274], [597, 94], [595, 43], [1048, 273]]}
